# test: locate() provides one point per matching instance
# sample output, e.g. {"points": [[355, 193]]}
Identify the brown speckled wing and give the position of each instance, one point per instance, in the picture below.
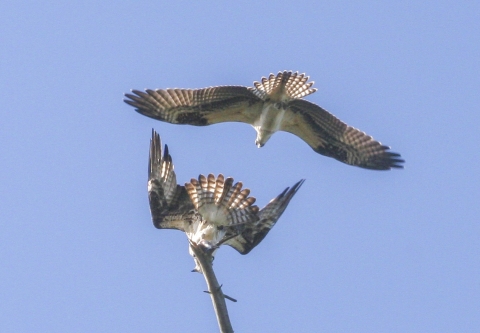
{"points": [[329, 136], [199, 107]]}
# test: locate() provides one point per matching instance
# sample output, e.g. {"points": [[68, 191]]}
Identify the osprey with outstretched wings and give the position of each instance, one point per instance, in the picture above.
{"points": [[210, 210], [274, 104]]}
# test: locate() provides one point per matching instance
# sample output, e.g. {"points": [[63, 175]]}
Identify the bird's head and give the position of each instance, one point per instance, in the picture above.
{"points": [[262, 137]]}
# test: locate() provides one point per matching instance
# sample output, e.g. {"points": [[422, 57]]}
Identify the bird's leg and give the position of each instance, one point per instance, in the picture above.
{"points": [[207, 249]]}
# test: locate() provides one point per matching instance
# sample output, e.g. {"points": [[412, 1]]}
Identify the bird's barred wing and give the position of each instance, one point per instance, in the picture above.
{"points": [[331, 137], [254, 233], [170, 204], [199, 107], [221, 202]]}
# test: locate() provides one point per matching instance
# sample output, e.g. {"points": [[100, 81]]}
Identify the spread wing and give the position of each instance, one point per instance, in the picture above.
{"points": [[329, 136], [199, 107], [170, 204], [255, 232]]}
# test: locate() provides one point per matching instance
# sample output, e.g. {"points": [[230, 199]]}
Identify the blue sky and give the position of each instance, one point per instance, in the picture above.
{"points": [[355, 251]]}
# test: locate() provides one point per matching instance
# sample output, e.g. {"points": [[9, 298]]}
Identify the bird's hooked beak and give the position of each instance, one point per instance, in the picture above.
{"points": [[262, 136]]}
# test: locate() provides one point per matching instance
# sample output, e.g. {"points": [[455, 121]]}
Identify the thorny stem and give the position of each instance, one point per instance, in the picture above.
{"points": [[214, 289]]}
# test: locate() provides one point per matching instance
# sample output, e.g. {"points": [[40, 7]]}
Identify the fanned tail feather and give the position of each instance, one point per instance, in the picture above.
{"points": [[284, 86], [220, 202]]}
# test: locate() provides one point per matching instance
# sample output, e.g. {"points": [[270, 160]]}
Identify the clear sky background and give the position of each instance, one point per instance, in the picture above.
{"points": [[355, 251]]}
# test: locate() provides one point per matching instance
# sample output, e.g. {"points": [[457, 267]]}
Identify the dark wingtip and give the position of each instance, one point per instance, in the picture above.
{"points": [[296, 186], [289, 192], [395, 161], [165, 153], [397, 164], [129, 102], [386, 161], [155, 154]]}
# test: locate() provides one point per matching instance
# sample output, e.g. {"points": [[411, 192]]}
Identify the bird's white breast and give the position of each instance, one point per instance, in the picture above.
{"points": [[270, 118], [269, 121]]}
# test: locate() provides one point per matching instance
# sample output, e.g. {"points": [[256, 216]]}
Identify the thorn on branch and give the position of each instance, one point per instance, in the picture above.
{"points": [[230, 298], [224, 296]]}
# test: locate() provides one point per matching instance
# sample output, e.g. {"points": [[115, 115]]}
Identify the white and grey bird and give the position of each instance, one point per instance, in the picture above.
{"points": [[274, 104], [212, 211]]}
